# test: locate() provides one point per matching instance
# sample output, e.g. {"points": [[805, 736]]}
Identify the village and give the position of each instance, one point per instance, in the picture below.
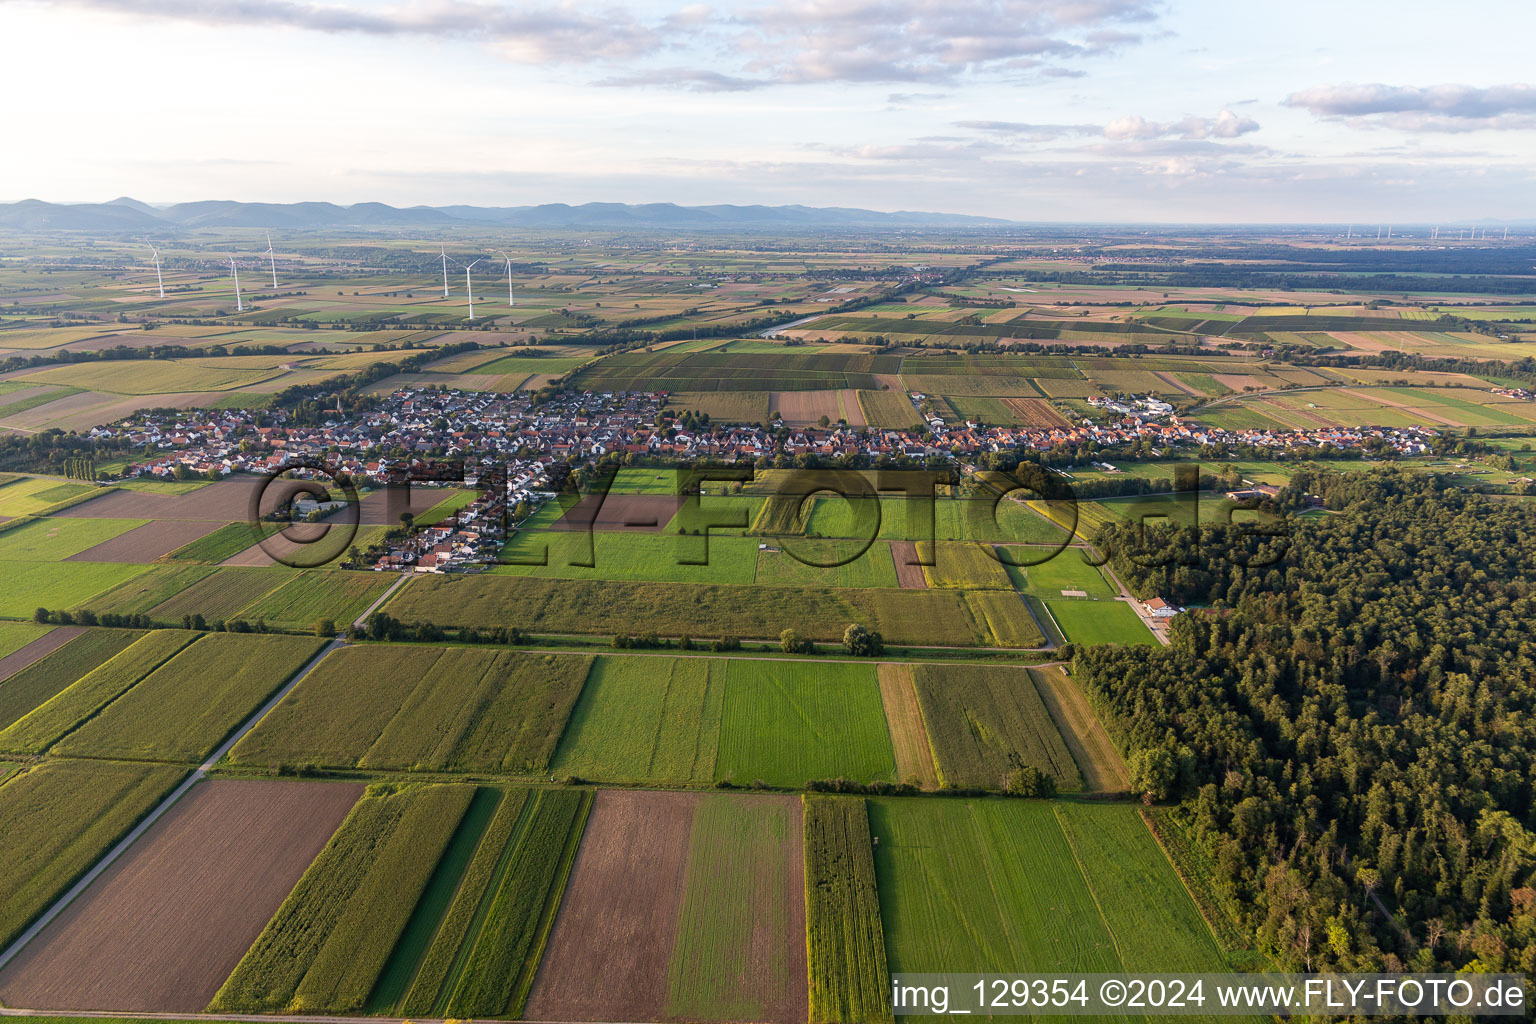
{"points": [[508, 446]]}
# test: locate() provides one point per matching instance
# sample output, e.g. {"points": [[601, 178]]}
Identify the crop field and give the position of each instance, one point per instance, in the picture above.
{"points": [[57, 819], [680, 609], [156, 376], [16, 635], [963, 566], [645, 719], [52, 540], [723, 406], [826, 563], [849, 981], [782, 515], [31, 685], [327, 944], [38, 729], [183, 709], [650, 557], [1099, 622], [315, 594], [142, 544], [148, 589], [1098, 761], [745, 371], [1009, 412], [888, 410], [230, 850], [1004, 617], [956, 877], [909, 734], [396, 707], [222, 594], [985, 722], [740, 949], [787, 723]]}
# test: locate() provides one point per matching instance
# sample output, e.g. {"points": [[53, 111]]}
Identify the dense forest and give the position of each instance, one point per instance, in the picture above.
{"points": [[1347, 732]]}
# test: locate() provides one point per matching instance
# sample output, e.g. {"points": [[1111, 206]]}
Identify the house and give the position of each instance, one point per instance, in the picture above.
{"points": [[1160, 609]]}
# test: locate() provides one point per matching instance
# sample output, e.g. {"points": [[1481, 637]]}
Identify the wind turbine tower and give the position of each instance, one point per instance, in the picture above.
{"points": [[469, 287], [159, 278], [510, 300], [272, 259], [235, 271], [1506, 232], [445, 272]]}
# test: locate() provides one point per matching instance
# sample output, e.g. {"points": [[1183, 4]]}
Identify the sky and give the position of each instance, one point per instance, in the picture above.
{"points": [[1037, 110]]}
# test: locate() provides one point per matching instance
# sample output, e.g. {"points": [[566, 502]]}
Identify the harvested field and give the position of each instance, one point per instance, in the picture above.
{"points": [[621, 911], [904, 717], [385, 506], [1098, 762], [146, 543], [908, 572], [1035, 412], [850, 409], [230, 851], [227, 501], [631, 513], [805, 408]]}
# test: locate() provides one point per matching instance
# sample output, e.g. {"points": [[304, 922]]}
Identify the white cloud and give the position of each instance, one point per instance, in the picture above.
{"points": [[1225, 125], [1435, 108]]}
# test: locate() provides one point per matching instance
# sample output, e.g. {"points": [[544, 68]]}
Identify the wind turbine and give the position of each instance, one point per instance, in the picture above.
{"points": [[445, 271], [235, 270], [513, 302], [469, 287], [273, 260], [161, 279]]}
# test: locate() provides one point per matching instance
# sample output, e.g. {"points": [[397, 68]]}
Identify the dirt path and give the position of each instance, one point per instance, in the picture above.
{"points": [[1102, 769], [909, 736]]}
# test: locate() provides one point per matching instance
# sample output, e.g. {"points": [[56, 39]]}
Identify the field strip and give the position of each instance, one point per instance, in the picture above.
{"points": [[176, 794]]}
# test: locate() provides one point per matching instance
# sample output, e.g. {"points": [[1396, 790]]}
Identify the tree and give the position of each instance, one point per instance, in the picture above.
{"points": [[325, 627], [1152, 772], [861, 642]]}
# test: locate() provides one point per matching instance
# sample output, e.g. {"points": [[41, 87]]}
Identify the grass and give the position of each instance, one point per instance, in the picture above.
{"points": [[225, 542], [827, 563], [1005, 616], [504, 960], [845, 946], [782, 516], [53, 540], [57, 819], [986, 721], [148, 590], [1099, 622], [736, 898], [329, 941], [442, 708], [1065, 571], [39, 681], [25, 496], [644, 719], [47, 723], [316, 594], [186, 707], [788, 723], [678, 609], [649, 557]]}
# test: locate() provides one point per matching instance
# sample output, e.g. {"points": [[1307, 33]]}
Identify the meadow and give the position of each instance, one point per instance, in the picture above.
{"points": [[27, 496], [57, 819], [53, 540], [985, 722], [1099, 622]]}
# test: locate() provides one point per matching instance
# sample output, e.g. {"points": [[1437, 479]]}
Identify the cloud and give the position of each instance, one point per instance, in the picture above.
{"points": [[1026, 132], [751, 45], [1225, 125], [564, 32], [1435, 108]]}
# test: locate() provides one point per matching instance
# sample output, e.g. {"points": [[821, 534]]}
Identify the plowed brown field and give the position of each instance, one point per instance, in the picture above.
{"points": [[163, 927]]}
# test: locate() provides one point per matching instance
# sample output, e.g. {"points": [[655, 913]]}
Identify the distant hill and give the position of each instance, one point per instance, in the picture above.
{"points": [[125, 215]]}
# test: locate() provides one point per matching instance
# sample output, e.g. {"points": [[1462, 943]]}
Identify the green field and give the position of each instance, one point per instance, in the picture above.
{"points": [[1099, 622], [678, 609], [985, 722], [328, 943], [790, 722], [401, 707], [25, 496], [1065, 571], [314, 594], [45, 724], [845, 946], [39, 681], [645, 719], [1006, 617], [802, 562], [223, 594], [57, 819], [736, 900], [153, 587], [186, 707], [16, 635], [965, 566], [53, 540], [225, 542], [650, 557]]}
